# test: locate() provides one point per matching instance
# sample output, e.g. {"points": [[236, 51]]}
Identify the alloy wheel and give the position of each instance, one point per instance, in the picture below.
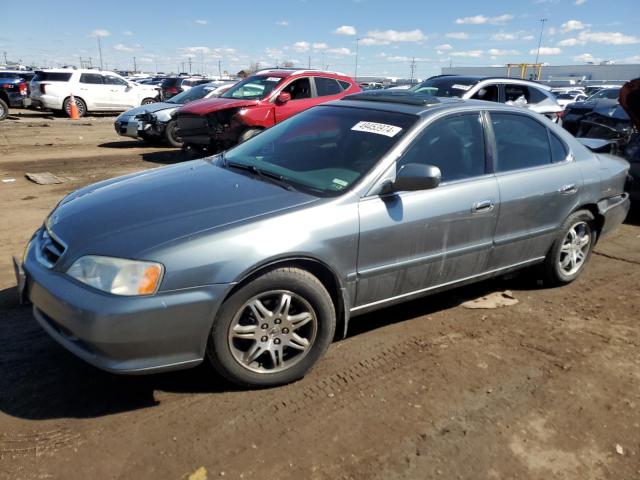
{"points": [[575, 248]]}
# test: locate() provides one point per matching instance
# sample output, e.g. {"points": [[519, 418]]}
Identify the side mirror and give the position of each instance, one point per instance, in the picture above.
{"points": [[283, 98], [414, 176]]}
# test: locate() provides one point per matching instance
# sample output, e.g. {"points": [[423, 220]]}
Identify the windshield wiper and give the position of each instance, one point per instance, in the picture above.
{"points": [[263, 174]]}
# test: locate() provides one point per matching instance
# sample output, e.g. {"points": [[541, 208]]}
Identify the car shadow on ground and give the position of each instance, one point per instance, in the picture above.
{"points": [[40, 380]]}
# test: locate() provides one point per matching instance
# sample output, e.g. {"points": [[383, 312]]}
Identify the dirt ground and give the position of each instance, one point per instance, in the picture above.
{"points": [[545, 389]]}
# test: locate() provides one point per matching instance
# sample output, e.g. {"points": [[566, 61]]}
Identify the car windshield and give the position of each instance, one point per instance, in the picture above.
{"points": [[445, 86], [253, 88], [566, 96], [610, 93], [324, 150], [195, 93]]}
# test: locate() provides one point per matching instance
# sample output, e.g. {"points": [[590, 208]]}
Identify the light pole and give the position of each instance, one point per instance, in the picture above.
{"points": [[355, 74], [100, 52], [542, 22]]}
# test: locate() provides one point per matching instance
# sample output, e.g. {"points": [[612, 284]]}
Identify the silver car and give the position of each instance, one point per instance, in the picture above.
{"points": [[256, 258], [154, 122]]}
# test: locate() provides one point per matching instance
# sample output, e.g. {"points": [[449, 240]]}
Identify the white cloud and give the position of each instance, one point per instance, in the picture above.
{"points": [[573, 25], [127, 33], [402, 58], [202, 22], [501, 53], [586, 58], [444, 46], [546, 51], [301, 46], [274, 52], [345, 30], [320, 46], [482, 19], [122, 48], [569, 42], [203, 50], [100, 33], [457, 35], [609, 38], [467, 53], [634, 59], [528, 37], [339, 51], [503, 36], [378, 37], [579, 2], [282, 23]]}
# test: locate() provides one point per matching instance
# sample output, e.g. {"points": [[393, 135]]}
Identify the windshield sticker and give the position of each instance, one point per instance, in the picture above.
{"points": [[273, 79], [457, 86], [379, 128], [340, 183]]}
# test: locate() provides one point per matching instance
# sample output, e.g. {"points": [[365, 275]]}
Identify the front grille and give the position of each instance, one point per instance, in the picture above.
{"points": [[49, 249], [192, 125]]}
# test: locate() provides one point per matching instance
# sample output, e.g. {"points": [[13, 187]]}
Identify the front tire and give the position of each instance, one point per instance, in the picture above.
{"points": [[148, 101], [571, 249], [170, 134], [272, 330]]}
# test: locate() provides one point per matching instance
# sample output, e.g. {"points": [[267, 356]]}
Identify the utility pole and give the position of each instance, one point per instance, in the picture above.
{"points": [[309, 64], [156, 61], [412, 66], [219, 70], [355, 73], [5, 57], [100, 51], [202, 61], [135, 67], [322, 66], [542, 22], [189, 64]]}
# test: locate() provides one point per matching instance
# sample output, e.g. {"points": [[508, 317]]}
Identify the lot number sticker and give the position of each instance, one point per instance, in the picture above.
{"points": [[379, 128]]}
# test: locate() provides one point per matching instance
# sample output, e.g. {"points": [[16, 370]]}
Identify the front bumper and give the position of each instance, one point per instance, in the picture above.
{"points": [[134, 335], [136, 127]]}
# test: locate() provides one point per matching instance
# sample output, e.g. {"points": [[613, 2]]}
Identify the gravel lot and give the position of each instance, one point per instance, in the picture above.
{"points": [[547, 388]]}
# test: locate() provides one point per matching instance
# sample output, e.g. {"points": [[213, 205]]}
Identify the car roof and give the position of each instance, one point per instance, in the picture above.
{"points": [[480, 78], [285, 73]]}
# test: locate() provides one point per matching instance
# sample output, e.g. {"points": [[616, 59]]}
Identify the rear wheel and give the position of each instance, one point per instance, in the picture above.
{"points": [[4, 109], [171, 134], [272, 330], [82, 107], [571, 250], [147, 101]]}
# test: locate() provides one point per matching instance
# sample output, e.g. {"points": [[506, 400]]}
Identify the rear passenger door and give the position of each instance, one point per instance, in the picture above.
{"points": [[538, 182], [327, 89], [413, 241], [121, 94]]}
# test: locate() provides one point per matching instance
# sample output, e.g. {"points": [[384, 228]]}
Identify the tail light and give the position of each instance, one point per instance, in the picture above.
{"points": [[562, 113], [23, 88], [42, 88], [172, 90]]}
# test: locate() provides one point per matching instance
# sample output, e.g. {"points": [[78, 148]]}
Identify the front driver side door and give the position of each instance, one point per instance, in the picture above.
{"points": [[415, 241], [301, 98]]}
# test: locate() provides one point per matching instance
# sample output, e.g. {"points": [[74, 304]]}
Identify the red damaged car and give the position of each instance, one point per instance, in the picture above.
{"points": [[256, 103]]}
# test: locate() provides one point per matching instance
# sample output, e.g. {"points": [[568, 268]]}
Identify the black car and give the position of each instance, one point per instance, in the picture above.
{"points": [[14, 91], [575, 112], [171, 86]]}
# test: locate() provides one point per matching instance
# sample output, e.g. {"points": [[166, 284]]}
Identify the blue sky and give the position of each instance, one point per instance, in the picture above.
{"points": [[460, 32]]}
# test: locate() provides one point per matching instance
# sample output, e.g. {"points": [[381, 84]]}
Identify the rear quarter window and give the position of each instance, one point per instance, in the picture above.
{"points": [[327, 86], [344, 85], [536, 95], [52, 77]]}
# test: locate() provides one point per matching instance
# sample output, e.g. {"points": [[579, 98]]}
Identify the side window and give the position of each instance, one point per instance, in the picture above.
{"points": [[109, 80], [488, 93], [536, 95], [299, 89], [344, 85], [454, 144], [92, 78], [327, 86], [558, 149], [521, 142], [516, 94]]}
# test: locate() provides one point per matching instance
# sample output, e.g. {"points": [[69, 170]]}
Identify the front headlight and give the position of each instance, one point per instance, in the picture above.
{"points": [[117, 275]]}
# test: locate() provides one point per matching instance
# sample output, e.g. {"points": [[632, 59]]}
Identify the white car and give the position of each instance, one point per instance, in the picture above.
{"points": [[93, 90], [565, 99]]}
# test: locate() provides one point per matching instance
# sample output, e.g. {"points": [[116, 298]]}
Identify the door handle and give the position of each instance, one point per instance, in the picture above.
{"points": [[483, 207], [568, 189]]}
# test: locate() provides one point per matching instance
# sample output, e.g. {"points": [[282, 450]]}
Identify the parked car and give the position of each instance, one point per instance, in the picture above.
{"points": [[565, 99], [13, 93], [171, 86], [94, 91], [153, 122], [575, 112], [512, 91], [591, 89], [255, 258], [257, 103]]}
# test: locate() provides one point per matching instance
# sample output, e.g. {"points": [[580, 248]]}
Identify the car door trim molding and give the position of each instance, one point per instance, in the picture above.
{"points": [[446, 284], [424, 259]]}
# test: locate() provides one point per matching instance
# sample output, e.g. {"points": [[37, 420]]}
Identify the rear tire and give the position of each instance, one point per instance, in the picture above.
{"points": [[148, 101], [170, 136], [571, 249], [82, 107], [247, 134], [272, 330], [4, 109]]}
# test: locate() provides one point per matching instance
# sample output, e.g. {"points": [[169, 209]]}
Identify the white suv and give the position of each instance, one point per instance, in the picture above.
{"points": [[94, 91]]}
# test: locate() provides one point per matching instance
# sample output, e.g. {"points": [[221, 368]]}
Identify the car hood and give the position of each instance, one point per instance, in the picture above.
{"points": [[209, 105], [592, 104], [150, 108], [127, 217]]}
